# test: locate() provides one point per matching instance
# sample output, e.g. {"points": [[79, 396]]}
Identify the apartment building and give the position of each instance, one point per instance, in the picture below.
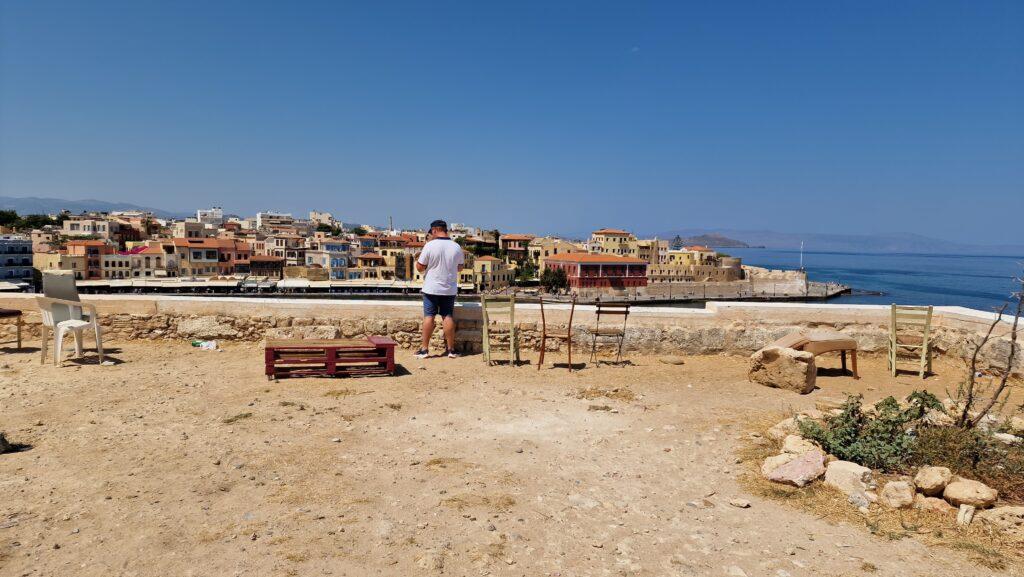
{"points": [[515, 247], [15, 257], [290, 247], [93, 252], [60, 260], [490, 274]]}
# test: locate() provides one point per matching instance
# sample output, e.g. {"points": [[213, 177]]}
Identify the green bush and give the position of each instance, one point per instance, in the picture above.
{"points": [[882, 439]]}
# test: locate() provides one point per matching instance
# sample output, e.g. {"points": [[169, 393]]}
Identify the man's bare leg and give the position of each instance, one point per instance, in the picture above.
{"points": [[428, 331], [448, 325]]}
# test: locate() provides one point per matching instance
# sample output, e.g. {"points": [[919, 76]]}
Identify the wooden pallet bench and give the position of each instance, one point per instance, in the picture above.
{"points": [[329, 358]]}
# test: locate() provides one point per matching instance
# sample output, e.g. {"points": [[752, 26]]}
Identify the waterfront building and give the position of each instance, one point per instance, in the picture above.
{"points": [[588, 272], [490, 274], [515, 246], [543, 247], [271, 267]]}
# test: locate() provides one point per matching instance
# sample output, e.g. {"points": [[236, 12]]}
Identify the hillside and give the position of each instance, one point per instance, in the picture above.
{"points": [[713, 240], [37, 205]]}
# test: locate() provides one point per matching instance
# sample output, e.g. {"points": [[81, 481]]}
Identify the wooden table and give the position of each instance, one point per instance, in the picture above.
{"points": [[329, 358]]}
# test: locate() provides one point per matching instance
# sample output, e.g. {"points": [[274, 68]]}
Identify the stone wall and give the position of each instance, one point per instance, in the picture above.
{"points": [[731, 328]]}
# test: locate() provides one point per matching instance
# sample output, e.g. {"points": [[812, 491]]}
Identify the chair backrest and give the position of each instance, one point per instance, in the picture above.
{"points": [[572, 311], [910, 319], [500, 306], [612, 309], [60, 285], [54, 313]]}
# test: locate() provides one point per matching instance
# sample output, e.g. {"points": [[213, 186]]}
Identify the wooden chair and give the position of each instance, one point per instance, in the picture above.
{"points": [[499, 306], [909, 335], [18, 322], [555, 335], [617, 333]]}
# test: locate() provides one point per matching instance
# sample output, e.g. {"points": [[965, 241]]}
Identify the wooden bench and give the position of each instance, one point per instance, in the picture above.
{"points": [[329, 358]]}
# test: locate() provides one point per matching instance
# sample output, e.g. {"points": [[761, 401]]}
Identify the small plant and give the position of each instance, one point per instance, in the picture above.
{"points": [[881, 439]]}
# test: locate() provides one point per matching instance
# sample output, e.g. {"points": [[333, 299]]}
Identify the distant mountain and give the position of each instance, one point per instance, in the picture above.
{"points": [[880, 243], [35, 205], [712, 240]]}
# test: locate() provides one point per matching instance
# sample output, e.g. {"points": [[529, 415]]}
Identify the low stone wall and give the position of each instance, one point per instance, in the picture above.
{"points": [[731, 328]]}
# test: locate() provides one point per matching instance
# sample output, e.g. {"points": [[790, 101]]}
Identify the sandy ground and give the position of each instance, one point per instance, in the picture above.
{"points": [[453, 468]]}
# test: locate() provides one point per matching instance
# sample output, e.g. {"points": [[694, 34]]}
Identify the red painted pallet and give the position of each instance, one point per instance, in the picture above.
{"points": [[329, 358]]}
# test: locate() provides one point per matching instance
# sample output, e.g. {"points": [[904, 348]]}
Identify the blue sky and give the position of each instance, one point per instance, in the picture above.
{"points": [[853, 117]]}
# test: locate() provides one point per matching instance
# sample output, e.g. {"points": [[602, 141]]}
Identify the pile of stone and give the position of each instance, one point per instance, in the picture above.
{"points": [[801, 462]]}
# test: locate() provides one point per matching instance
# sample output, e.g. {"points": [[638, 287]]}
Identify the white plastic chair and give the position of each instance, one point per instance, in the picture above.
{"points": [[63, 316]]}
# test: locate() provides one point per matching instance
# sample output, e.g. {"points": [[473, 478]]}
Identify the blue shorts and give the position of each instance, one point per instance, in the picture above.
{"points": [[434, 305]]}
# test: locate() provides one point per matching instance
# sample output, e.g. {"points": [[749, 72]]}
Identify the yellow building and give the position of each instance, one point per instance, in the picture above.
{"points": [[491, 274], [548, 246], [621, 243], [44, 261]]}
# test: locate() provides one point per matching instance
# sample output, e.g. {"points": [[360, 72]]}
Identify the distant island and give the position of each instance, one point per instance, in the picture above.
{"points": [[712, 240]]}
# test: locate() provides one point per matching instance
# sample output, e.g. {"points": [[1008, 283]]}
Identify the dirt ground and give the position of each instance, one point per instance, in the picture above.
{"points": [[177, 461]]}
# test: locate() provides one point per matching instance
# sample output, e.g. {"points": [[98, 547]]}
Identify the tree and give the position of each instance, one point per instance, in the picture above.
{"points": [[8, 217], [554, 280], [324, 227], [359, 231], [526, 271], [975, 400]]}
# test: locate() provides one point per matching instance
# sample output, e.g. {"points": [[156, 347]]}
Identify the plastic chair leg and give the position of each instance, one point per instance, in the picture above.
{"points": [[99, 341]]}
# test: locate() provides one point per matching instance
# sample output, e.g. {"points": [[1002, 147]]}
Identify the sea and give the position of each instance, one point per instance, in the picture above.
{"points": [[978, 282]]}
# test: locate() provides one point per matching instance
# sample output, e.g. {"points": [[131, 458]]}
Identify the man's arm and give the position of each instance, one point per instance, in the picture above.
{"points": [[421, 265]]}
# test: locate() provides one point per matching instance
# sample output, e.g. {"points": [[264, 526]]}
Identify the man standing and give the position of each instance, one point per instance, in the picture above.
{"points": [[441, 260]]}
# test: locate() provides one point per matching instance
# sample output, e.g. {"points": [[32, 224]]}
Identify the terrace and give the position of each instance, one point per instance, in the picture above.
{"points": [[177, 460]]}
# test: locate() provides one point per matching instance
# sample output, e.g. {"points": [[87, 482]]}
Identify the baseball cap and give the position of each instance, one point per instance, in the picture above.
{"points": [[439, 224]]}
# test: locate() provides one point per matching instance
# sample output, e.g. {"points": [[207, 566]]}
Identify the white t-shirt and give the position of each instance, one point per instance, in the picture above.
{"points": [[442, 257]]}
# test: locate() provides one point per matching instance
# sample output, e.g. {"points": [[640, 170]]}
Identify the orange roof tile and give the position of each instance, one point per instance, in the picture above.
{"points": [[518, 236], [611, 232]]}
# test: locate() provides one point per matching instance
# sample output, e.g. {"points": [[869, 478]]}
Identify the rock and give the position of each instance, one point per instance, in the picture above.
{"points": [[206, 328], [774, 462], [5, 446], [783, 368], [859, 499], [1007, 438], [1016, 425], [932, 480], [797, 445], [965, 515], [932, 504], [967, 492], [740, 503], [671, 360], [937, 418], [849, 477], [897, 494], [783, 428], [801, 470], [1007, 520]]}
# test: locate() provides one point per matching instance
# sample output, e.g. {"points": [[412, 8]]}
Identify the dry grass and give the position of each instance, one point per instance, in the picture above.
{"points": [[933, 528], [617, 393], [341, 393], [236, 418], [497, 502]]}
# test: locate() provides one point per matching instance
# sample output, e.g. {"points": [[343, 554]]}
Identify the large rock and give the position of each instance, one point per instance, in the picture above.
{"points": [[932, 504], [849, 477], [206, 328], [797, 445], [1007, 438], [897, 494], [774, 462], [1007, 520], [967, 492], [783, 368], [932, 480], [801, 470]]}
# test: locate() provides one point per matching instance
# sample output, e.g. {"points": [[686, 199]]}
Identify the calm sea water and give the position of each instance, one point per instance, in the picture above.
{"points": [[980, 282]]}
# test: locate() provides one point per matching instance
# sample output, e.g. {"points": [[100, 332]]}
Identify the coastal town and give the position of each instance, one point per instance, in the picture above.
{"points": [[135, 251]]}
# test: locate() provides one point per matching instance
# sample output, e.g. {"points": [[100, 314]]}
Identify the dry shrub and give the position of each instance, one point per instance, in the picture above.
{"points": [[974, 455]]}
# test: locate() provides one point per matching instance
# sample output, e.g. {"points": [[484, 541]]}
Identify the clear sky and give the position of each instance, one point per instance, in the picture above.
{"points": [[552, 116]]}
